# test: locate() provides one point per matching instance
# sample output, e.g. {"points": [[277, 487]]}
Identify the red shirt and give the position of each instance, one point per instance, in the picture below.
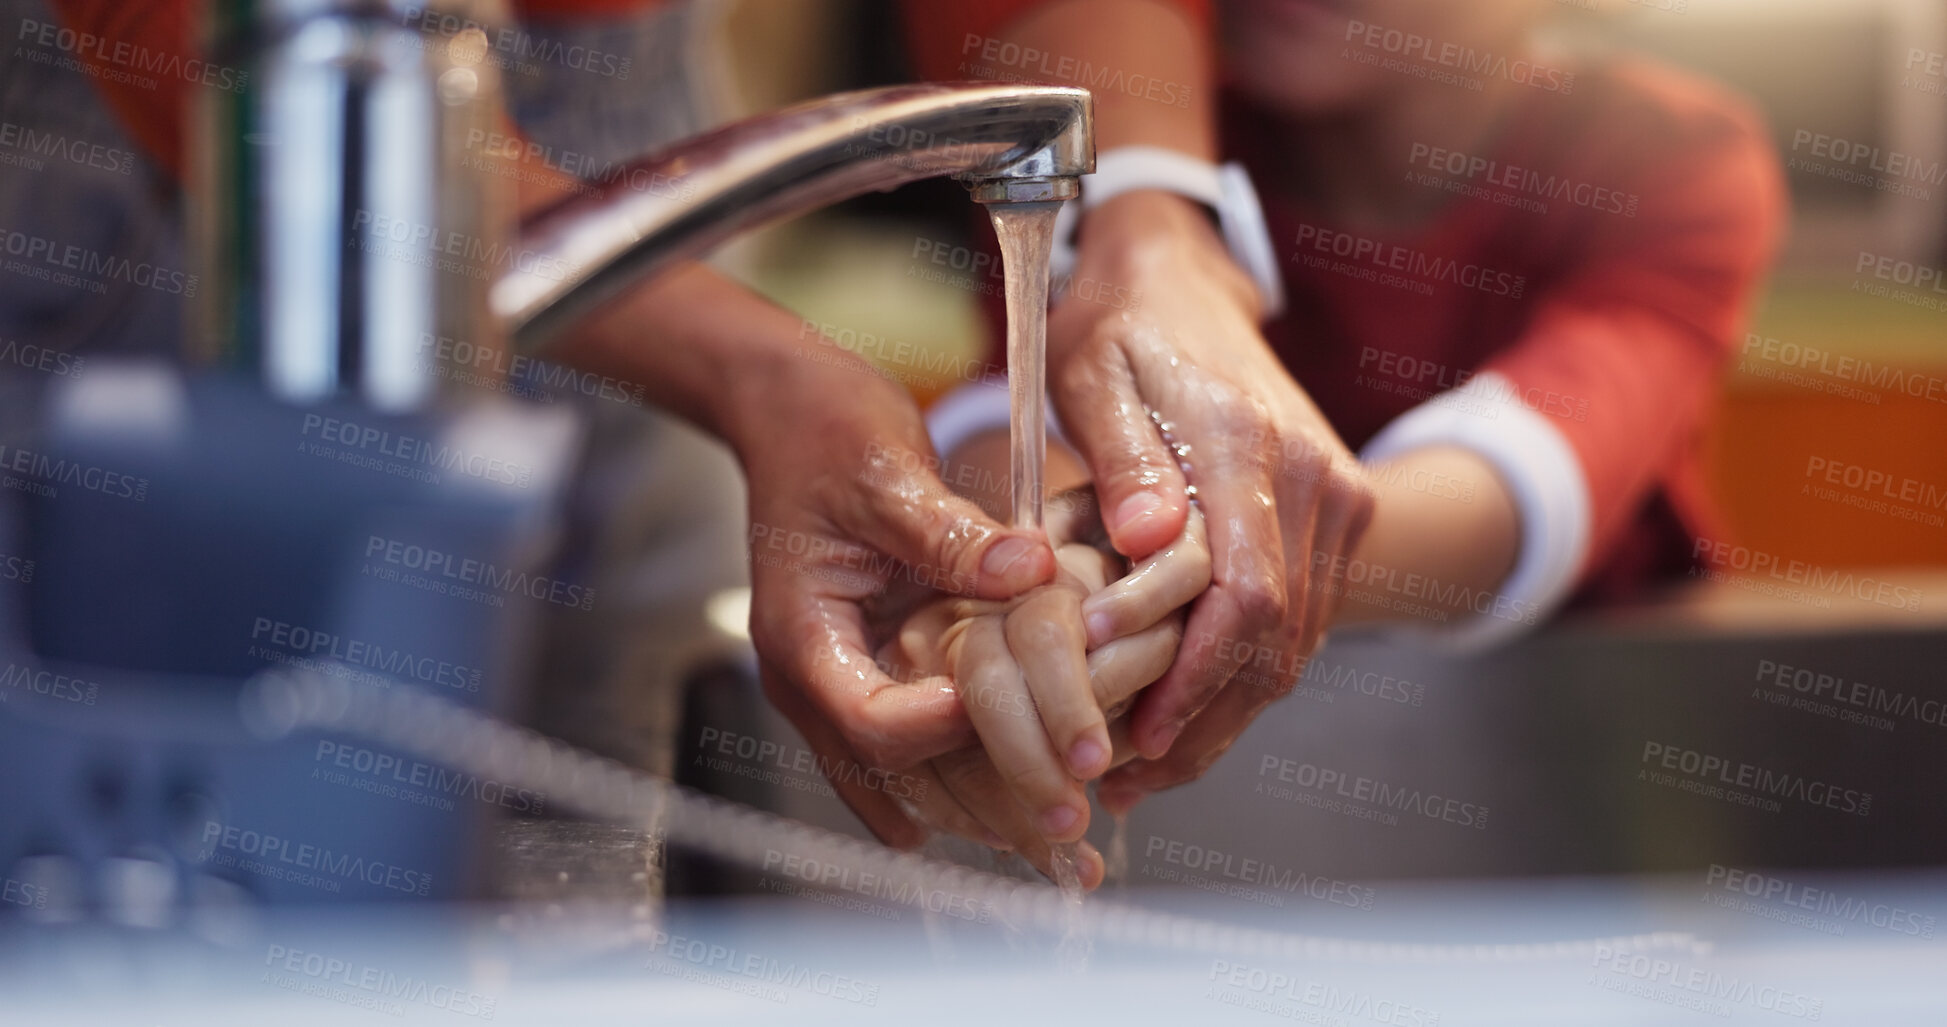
{"points": [[1601, 254]]}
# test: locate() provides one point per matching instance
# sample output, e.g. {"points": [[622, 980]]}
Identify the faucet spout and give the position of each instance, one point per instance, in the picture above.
{"points": [[1007, 143]]}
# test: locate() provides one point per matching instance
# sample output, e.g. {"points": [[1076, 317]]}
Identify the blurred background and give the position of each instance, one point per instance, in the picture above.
{"points": [[1546, 732], [1549, 738], [1820, 70]]}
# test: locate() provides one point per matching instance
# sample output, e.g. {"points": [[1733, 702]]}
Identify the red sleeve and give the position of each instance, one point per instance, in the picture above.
{"points": [[1628, 353], [944, 34], [118, 40]]}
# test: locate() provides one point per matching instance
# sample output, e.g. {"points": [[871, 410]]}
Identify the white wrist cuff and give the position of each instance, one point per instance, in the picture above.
{"points": [[1226, 190], [1540, 470], [971, 409]]}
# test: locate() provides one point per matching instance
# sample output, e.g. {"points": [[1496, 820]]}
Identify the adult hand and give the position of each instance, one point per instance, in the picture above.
{"points": [[1283, 496], [844, 504]]}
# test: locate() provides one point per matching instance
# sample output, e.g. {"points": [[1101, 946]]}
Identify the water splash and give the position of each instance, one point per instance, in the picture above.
{"points": [[1072, 953]]}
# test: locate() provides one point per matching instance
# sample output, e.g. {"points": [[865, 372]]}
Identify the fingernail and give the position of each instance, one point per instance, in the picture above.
{"points": [[1090, 866], [1009, 559], [1160, 742], [1100, 628], [1059, 821], [1134, 508], [1087, 758]]}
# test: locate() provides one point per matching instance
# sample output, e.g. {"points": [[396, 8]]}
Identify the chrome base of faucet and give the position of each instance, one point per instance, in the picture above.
{"points": [[1025, 190]]}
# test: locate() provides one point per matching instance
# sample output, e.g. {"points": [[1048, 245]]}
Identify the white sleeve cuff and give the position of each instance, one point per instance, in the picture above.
{"points": [[1540, 469], [971, 409]]}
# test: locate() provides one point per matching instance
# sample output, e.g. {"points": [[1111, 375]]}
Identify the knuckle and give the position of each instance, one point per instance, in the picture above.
{"points": [[948, 537], [1241, 416], [961, 774], [1261, 600], [872, 750], [1039, 784]]}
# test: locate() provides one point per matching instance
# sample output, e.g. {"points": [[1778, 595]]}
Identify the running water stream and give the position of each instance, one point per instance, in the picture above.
{"points": [[1027, 234]]}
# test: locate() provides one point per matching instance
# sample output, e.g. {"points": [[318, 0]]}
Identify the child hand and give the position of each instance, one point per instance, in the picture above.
{"points": [[1044, 679]]}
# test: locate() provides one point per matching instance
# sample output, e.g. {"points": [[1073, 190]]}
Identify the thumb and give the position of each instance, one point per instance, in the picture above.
{"points": [[946, 540], [1137, 478]]}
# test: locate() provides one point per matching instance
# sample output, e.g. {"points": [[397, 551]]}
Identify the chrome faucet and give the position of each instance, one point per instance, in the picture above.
{"points": [[346, 216]]}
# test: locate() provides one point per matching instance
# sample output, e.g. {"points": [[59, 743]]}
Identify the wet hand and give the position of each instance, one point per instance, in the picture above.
{"points": [[1284, 497]]}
